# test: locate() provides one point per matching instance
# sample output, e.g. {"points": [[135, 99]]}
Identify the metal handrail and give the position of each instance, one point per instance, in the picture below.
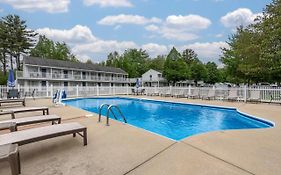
{"points": [[100, 109], [109, 109]]}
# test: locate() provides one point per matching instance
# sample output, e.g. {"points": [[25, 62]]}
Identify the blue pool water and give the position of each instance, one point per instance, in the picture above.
{"points": [[172, 120]]}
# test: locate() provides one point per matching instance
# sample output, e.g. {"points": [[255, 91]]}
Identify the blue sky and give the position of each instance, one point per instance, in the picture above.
{"points": [[93, 28]]}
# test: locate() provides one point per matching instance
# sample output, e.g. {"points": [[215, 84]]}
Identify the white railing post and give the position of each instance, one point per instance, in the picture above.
{"points": [[52, 90], [127, 89], [47, 89], [189, 90], [77, 90], [97, 90], [245, 93], [114, 90]]}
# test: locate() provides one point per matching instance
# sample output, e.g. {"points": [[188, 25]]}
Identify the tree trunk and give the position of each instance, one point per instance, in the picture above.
{"points": [[11, 61], [3, 61], [18, 61]]}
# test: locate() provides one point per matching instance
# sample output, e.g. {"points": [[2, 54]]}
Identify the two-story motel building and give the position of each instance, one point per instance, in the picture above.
{"points": [[46, 72]]}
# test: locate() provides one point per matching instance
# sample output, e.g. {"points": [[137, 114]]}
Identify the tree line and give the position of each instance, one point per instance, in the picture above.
{"points": [[175, 66], [254, 53]]}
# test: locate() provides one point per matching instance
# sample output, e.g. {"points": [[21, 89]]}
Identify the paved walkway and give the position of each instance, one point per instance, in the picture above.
{"points": [[123, 149]]}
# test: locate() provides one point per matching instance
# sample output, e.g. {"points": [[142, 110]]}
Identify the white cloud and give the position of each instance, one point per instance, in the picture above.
{"points": [[208, 51], [103, 46], [152, 28], [83, 43], [109, 3], [77, 34], [241, 16], [181, 28], [127, 19], [219, 35], [50, 6], [154, 49], [189, 22], [177, 34]]}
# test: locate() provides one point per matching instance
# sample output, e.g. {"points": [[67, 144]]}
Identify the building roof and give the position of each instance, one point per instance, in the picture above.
{"points": [[152, 70], [71, 65]]}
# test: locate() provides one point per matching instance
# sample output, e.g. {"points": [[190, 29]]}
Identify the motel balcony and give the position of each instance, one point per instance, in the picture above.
{"points": [[71, 77]]}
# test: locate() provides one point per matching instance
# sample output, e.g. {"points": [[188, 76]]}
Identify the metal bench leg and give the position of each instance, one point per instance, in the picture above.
{"points": [[14, 163], [85, 137], [47, 111], [74, 134], [13, 115], [19, 165]]}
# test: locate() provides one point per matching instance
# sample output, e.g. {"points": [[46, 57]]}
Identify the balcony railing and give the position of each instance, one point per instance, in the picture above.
{"points": [[60, 76]]}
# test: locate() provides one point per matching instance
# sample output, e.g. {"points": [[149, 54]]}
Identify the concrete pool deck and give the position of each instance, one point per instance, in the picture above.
{"points": [[123, 149]]}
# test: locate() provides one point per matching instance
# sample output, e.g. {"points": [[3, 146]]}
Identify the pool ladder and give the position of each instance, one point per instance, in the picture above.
{"points": [[109, 109]]}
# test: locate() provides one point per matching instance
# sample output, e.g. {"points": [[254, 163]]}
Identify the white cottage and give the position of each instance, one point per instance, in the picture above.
{"points": [[153, 78]]}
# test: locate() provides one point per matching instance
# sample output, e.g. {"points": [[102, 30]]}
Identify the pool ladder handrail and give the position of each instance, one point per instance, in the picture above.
{"points": [[100, 109], [109, 109]]}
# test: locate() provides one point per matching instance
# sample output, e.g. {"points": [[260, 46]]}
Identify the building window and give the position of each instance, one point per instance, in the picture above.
{"points": [[83, 83], [150, 77], [65, 72], [44, 83], [65, 83], [44, 71]]}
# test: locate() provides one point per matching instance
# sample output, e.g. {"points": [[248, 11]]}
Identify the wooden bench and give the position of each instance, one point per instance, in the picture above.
{"points": [[13, 101], [8, 124], [13, 111], [43, 133]]}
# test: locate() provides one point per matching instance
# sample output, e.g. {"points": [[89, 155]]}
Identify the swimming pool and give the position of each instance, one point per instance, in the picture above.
{"points": [[173, 120]]}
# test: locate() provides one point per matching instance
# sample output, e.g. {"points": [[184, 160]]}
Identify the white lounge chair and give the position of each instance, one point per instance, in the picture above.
{"points": [[211, 94], [255, 96], [180, 94], [194, 94], [232, 95]]}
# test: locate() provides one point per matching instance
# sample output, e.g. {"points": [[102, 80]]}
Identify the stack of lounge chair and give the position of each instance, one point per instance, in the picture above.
{"points": [[180, 94], [194, 94], [232, 95], [210, 95], [255, 96], [10, 141]]}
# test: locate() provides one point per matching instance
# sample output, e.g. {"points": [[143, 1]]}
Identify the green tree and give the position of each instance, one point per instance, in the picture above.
{"points": [[198, 72], [189, 56], [133, 61], [194, 65], [175, 68], [157, 63], [213, 74], [268, 28], [47, 48], [254, 53], [243, 57], [16, 39], [4, 44]]}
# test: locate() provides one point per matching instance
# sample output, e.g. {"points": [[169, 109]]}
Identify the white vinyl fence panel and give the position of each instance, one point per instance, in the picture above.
{"points": [[267, 94]]}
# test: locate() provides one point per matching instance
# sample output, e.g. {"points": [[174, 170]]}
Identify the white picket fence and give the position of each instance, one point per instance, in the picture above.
{"points": [[267, 94]]}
